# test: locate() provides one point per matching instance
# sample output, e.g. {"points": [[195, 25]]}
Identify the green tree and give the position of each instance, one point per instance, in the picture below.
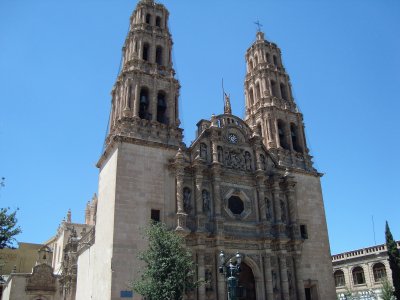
{"points": [[169, 270], [387, 290], [394, 260], [8, 227]]}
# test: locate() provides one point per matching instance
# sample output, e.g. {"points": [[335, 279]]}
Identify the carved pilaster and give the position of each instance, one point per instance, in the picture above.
{"points": [[276, 199], [201, 274], [284, 277], [268, 277], [299, 278]]}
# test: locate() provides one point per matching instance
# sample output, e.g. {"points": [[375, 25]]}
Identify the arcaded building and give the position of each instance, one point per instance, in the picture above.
{"points": [[361, 272]]}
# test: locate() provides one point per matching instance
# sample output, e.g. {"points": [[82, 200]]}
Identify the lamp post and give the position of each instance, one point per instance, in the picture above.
{"points": [[231, 272]]}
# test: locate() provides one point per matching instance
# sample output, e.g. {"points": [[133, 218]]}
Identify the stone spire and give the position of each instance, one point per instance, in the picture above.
{"points": [[270, 107], [145, 96]]}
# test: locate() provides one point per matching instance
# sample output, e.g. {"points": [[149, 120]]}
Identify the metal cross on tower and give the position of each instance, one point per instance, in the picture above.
{"points": [[259, 25]]}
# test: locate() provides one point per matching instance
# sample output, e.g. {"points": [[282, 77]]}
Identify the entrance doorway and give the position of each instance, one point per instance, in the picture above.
{"points": [[247, 284]]}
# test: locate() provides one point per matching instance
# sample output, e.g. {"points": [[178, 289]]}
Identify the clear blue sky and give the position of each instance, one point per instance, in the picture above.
{"points": [[59, 60]]}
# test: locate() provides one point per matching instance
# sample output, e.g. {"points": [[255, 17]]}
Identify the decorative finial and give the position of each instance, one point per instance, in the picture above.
{"points": [[227, 104], [69, 216]]}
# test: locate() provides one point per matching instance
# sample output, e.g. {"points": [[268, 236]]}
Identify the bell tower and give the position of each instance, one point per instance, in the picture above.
{"points": [[270, 107], [145, 95]]}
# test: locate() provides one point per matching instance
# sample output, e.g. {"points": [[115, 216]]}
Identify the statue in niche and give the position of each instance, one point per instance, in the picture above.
{"points": [[283, 211], [269, 210], [186, 199], [203, 151], [220, 154], [206, 201], [247, 160], [274, 280], [290, 279], [263, 163], [208, 280]]}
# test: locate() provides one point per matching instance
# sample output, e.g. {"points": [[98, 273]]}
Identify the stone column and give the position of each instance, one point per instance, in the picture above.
{"points": [[199, 198], [299, 279], [290, 194], [214, 152], [283, 276], [153, 104], [217, 193], [276, 199], [136, 104], [181, 215], [201, 274], [268, 278], [261, 197]]}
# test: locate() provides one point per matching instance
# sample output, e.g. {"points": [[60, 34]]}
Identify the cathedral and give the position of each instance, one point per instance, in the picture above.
{"points": [[245, 185]]}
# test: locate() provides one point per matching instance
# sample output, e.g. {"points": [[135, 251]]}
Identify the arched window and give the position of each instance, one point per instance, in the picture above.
{"points": [[259, 130], [339, 278], [358, 275], [275, 60], [258, 90], [251, 96], [158, 21], [145, 54], [295, 138], [283, 91], [161, 108], [159, 53], [268, 58], [273, 89], [282, 136], [148, 19], [144, 104], [203, 151], [379, 272]]}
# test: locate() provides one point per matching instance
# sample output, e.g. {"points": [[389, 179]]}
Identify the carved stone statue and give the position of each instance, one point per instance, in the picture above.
{"points": [[220, 154], [269, 210], [227, 105], [206, 201], [263, 163], [283, 211], [247, 159]]}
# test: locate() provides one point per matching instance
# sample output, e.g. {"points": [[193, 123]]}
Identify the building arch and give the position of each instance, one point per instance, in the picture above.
{"points": [[379, 271], [159, 55], [146, 52], [251, 96], [148, 19], [294, 134], [339, 278], [282, 134], [162, 107], [144, 103], [358, 275], [158, 21]]}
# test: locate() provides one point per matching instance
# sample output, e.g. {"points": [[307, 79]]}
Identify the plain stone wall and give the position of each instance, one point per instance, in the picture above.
{"points": [[103, 247], [316, 262], [143, 183], [85, 274]]}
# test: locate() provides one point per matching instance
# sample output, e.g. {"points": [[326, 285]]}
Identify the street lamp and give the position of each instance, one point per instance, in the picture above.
{"points": [[231, 272]]}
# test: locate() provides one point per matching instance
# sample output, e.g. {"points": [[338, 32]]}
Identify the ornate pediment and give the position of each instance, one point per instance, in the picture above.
{"points": [[42, 279]]}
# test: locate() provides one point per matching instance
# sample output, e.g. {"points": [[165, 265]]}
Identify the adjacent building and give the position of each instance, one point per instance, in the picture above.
{"points": [[361, 272]]}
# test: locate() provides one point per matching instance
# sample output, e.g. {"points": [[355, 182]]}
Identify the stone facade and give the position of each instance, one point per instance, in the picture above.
{"points": [[360, 272], [242, 185]]}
